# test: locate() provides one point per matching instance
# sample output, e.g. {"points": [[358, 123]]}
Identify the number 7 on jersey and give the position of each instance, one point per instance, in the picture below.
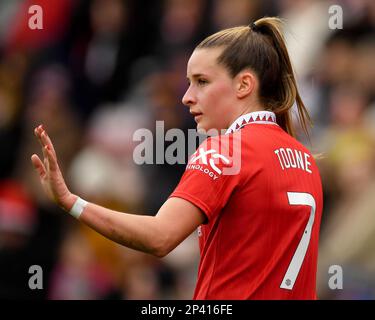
{"points": [[299, 198]]}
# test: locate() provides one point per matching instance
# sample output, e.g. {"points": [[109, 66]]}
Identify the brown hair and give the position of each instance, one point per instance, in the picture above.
{"points": [[261, 47]]}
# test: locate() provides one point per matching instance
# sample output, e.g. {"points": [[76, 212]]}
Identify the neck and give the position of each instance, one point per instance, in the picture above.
{"points": [[248, 108]]}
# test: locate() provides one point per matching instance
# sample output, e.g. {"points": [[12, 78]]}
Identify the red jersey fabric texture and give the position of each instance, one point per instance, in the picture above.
{"points": [[260, 239]]}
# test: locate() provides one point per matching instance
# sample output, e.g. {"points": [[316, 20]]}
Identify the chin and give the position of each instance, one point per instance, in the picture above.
{"points": [[205, 129], [202, 127]]}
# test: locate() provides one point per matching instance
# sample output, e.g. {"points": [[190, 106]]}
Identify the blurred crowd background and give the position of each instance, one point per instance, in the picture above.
{"points": [[101, 69]]}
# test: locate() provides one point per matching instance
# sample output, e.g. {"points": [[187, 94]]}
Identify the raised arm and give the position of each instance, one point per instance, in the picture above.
{"points": [[157, 235]]}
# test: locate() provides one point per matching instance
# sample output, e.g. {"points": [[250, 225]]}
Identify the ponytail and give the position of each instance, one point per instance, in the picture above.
{"points": [[287, 91], [261, 47]]}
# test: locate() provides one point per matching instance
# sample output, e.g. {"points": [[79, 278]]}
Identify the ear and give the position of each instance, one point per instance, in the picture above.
{"points": [[246, 82]]}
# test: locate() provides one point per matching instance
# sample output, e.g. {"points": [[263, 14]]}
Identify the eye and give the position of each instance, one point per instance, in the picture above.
{"points": [[202, 82]]}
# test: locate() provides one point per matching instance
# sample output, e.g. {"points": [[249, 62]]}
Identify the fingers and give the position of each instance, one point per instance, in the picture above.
{"points": [[49, 154], [51, 158], [50, 162], [44, 139], [38, 165], [37, 131], [47, 141]]}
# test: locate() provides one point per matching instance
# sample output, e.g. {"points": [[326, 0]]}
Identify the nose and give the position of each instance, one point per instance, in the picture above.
{"points": [[188, 99]]}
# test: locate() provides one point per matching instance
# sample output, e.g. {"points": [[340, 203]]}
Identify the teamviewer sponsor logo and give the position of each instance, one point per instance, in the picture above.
{"points": [[207, 165], [201, 154], [213, 163]]}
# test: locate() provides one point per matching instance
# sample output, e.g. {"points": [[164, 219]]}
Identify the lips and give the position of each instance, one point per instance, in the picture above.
{"points": [[196, 115], [196, 118]]}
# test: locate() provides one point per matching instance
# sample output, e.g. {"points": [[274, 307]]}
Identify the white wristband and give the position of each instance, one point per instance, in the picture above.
{"points": [[78, 207]]}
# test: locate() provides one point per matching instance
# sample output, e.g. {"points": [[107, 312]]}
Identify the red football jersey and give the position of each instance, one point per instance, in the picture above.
{"points": [[260, 239]]}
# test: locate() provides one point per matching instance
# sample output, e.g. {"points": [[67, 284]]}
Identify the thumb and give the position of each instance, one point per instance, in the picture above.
{"points": [[38, 165]]}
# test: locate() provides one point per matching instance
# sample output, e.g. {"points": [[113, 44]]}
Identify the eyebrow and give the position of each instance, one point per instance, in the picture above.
{"points": [[197, 75]]}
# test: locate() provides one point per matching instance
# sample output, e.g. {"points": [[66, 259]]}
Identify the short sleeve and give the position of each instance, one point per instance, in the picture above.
{"points": [[208, 181]]}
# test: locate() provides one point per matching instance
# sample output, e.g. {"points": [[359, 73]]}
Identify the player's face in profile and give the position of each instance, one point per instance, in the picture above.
{"points": [[212, 91]]}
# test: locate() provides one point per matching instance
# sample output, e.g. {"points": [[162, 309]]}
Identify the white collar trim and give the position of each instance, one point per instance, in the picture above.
{"points": [[264, 117]]}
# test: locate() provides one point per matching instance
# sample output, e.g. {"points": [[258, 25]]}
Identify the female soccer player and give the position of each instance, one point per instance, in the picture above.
{"points": [[258, 226]]}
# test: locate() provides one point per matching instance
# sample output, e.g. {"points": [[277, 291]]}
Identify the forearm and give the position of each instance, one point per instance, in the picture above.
{"points": [[138, 232]]}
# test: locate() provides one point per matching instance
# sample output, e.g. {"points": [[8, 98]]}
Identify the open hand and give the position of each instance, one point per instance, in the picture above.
{"points": [[49, 172]]}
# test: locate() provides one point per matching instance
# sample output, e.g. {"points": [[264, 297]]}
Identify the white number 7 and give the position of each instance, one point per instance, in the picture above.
{"points": [[299, 198]]}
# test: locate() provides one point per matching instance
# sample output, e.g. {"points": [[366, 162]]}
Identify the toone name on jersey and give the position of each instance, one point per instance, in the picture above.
{"points": [[292, 158]]}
